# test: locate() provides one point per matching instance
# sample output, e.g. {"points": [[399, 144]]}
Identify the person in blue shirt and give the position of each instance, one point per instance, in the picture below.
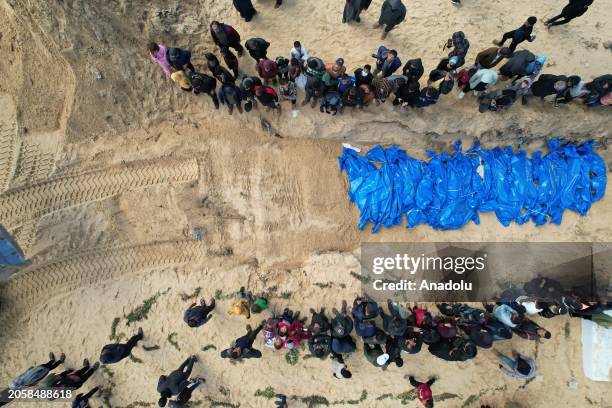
{"points": [[429, 96], [519, 35], [346, 82], [387, 61]]}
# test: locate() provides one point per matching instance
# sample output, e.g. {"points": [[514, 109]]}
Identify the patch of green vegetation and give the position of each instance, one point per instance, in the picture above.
{"points": [[106, 395], [142, 311], [267, 392], [343, 285], [286, 295], [214, 403], [445, 396], [322, 285], [151, 348], [567, 329], [224, 391], [173, 342], [114, 324], [384, 397], [363, 397], [135, 359], [185, 297], [314, 400], [292, 357], [218, 294], [209, 347], [361, 278], [406, 397], [139, 404], [107, 371], [471, 400]]}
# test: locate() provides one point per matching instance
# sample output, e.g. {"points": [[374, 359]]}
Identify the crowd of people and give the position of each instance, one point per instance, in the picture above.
{"points": [[334, 87], [453, 332]]}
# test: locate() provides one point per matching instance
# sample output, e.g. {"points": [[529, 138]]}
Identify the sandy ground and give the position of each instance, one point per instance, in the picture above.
{"points": [[108, 170]]}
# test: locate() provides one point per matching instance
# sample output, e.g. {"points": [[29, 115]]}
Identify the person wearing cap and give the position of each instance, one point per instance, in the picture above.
{"points": [[392, 13], [423, 390], [332, 74], [519, 35], [387, 62], [492, 56], [245, 8]]}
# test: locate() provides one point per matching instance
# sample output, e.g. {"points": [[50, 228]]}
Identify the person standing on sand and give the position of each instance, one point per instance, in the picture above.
{"points": [[225, 35], [519, 35], [245, 8], [82, 400], [574, 9], [159, 54], [339, 367], [242, 347], [196, 316], [34, 374], [522, 367], [175, 382], [392, 13], [267, 70], [184, 396], [490, 57], [352, 9], [230, 95], [423, 390], [230, 60], [113, 353], [257, 48]]}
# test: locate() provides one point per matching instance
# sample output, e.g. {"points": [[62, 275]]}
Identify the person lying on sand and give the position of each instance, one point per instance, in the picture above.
{"points": [[175, 382], [113, 353]]}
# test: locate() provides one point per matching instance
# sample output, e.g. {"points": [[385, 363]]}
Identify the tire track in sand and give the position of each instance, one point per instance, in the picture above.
{"points": [[28, 203], [88, 268]]}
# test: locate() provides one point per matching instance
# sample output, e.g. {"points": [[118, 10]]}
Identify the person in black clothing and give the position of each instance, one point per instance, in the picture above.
{"points": [[196, 316], [319, 323], [258, 48], [245, 8], [519, 35], [394, 324], [393, 348], [202, 83], [230, 60], [180, 58], [242, 347], [407, 95], [113, 353], [175, 382], [82, 400], [574, 9], [184, 396], [353, 97], [219, 72], [282, 401], [314, 89], [342, 324], [319, 345], [75, 379], [413, 69], [364, 75]]}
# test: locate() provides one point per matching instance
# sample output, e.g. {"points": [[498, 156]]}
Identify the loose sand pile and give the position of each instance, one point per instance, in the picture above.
{"points": [[108, 170]]}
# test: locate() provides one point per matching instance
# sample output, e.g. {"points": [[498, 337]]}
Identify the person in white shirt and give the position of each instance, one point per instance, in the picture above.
{"points": [[299, 53]]}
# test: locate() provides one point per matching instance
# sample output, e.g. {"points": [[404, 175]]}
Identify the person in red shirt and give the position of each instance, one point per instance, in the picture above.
{"points": [[423, 390]]}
